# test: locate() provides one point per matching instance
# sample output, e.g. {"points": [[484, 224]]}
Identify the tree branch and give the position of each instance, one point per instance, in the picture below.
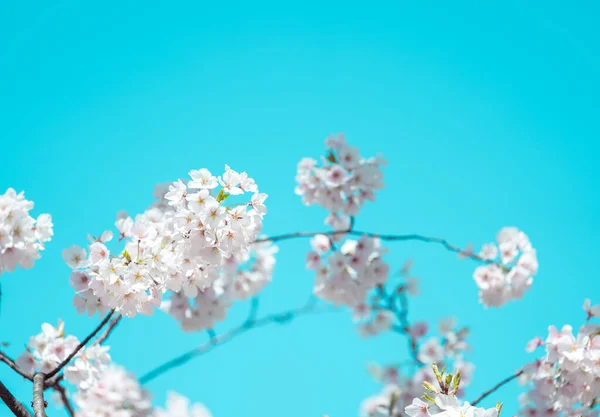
{"points": [[113, 323], [248, 324], [65, 400], [386, 237], [497, 386], [80, 346], [12, 403], [287, 236], [50, 383], [39, 404], [11, 363], [401, 314]]}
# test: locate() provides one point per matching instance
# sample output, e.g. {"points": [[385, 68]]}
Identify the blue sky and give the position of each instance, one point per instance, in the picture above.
{"points": [[487, 114]]}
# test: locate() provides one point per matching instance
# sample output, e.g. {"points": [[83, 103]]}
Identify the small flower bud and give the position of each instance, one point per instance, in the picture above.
{"points": [[429, 387], [428, 398]]}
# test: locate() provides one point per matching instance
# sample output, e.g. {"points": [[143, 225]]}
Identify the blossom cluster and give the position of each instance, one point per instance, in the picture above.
{"points": [[179, 406], [342, 184], [375, 315], [51, 347], [187, 243], [346, 276], [446, 351], [22, 237], [116, 393], [512, 263], [566, 381]]}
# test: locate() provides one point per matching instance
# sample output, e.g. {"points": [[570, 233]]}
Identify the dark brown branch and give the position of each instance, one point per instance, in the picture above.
{"points": [[12, 403], [497, 386], [39, 404], [11, 363], [247, 325], [80, 346], [113, 323], [65, 400], [50, 383]]}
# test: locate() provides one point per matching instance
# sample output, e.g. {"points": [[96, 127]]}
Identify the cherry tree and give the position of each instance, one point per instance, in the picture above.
{"points": [[199, 248]]}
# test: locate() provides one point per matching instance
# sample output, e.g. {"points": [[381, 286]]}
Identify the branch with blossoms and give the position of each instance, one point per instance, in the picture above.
{"points": [[199, 249]]}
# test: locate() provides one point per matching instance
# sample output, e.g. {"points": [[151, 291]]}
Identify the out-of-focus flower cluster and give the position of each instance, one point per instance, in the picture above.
{"points": [[446, 350], [346, 276], [115, 394], [179, 406], [380, 312], [343, 182], [509, 273], [51, 347], [566, 381], [22, 237], [189, 243]]}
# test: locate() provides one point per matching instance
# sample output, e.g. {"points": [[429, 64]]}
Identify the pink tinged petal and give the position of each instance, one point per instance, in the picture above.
{"points": [[533, 344]]}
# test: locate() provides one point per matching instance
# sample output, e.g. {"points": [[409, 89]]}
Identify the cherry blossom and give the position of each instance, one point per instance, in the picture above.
{"points": [[344, 181], [22, 237], [446, 402], [346, 276], [566, 381], [512, 263], [51, 347], [188, 245], [418, 408], [431, 351], [446, 350], [115, 393], [591, 311]]}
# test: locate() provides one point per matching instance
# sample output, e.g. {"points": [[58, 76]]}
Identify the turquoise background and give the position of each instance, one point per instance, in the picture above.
{"points": [[486, 111]]}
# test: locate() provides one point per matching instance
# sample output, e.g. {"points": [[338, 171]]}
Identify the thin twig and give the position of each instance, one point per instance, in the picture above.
{"points": [[80, 346], [12, 364], [254, 304], [39, 404], [281, 318], [12, 403], [402, 315], [497, 386], [211, 335], [113, 323], [65, 400]]}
